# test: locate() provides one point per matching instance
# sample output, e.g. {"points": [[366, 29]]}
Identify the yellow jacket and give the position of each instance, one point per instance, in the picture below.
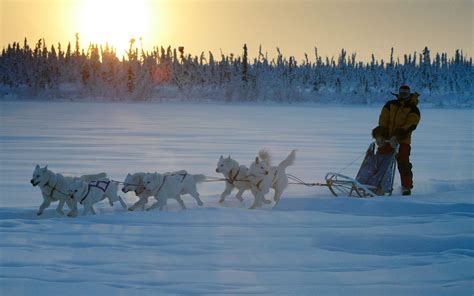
{"points": [[400, 118]]}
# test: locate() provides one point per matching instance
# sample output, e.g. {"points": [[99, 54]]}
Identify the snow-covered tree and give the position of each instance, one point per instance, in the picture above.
{"points": [[97, 71]]}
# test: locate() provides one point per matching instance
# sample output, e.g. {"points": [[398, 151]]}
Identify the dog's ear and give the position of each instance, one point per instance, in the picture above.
{"points": [[37, 167], [256, 160], [128, 175], [221, 158], [228, 157], [46, 167]]}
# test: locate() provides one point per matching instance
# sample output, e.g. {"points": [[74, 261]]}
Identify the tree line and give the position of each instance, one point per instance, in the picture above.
{"points": [[97, 71]]}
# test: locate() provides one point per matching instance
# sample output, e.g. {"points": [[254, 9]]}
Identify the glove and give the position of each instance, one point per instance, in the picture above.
{"points": [[381, 132], [400, 134], [393, 142]]}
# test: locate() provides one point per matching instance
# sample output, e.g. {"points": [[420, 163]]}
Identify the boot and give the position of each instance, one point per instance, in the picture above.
{"points": [[406, 191]]}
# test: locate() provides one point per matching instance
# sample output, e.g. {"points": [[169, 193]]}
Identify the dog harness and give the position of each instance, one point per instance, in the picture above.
{"points": [[162, 183], [53, 188], [261, 180], [231, 179], [101, 185], [166, 175], [258, 184], [141, 191]]}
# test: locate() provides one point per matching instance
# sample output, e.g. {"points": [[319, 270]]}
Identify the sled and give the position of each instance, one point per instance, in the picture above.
{"points": [[375, 177]]}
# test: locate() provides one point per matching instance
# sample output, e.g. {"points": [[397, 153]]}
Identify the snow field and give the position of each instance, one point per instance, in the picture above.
{"points": [[311, 244]]}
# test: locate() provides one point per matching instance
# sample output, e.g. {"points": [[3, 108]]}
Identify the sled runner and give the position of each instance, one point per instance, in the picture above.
{"points": [[375, 176]]}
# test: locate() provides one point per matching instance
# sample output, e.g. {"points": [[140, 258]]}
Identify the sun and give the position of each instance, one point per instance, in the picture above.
{"points": [[113, 21]]}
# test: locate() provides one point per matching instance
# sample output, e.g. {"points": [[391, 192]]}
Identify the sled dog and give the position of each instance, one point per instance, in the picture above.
{"points": [[263, 176], [134, 182], [166, 186], [54, 187], [89, 193], [236, 177]]}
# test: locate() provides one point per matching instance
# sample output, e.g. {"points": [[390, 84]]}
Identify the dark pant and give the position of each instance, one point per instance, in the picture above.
{"points": [[404, 165]]}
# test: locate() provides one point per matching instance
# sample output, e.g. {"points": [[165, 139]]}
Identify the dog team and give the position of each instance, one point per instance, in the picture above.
{"points": [[87, 190]]}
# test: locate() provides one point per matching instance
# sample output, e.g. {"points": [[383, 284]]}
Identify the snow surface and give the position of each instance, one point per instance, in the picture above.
{"points": [[312, 243]]}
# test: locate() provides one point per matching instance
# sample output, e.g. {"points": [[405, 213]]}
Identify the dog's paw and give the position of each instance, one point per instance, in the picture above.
{"points": [[39, 213], [200, 203], [267, 201], [130, 209], [221, 200]]}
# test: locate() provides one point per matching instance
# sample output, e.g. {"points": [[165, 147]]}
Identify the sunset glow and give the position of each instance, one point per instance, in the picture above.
{"points": [[295, 27], [114, 21]]}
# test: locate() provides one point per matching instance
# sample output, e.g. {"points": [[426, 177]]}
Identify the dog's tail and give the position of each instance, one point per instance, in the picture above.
{"points": [[289, 160], [199, 178], [264, 155]]}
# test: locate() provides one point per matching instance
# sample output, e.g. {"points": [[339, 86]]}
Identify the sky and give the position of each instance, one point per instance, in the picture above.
{"points": [[296, 27]]}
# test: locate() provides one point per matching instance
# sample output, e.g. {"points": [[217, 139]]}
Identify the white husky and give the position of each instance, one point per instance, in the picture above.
{"points": [[54, 187], [236, 177], [263, 176], [89, 193], [165, 186], [134, 182]]}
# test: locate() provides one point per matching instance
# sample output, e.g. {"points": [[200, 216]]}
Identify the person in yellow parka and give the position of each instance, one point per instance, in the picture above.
{"points": [[398, 119]]}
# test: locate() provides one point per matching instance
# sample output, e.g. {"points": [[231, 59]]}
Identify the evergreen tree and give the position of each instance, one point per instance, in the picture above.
{"points": [[77, 51], [99, 72], [245, 65], [130, 70]]}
